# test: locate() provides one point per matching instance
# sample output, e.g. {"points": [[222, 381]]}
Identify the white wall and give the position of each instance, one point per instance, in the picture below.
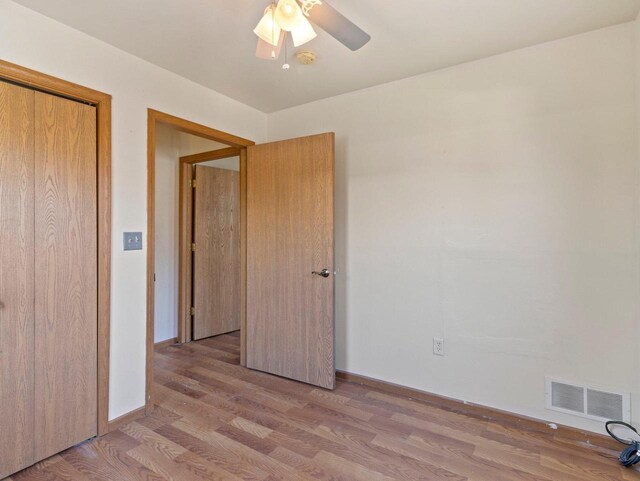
{"points": [[494, 204], [166, 233], [192, 144], [34, 41], [231, 163]]}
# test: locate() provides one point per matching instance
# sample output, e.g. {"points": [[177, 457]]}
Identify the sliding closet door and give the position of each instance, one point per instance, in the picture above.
{"points": [[66, 280], [16, 278]]}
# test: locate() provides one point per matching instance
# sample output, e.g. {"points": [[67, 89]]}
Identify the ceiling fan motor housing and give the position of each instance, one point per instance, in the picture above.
{"points": [[305, 57]]}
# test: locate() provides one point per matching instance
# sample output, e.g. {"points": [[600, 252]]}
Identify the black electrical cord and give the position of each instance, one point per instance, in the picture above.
{"points": [[631, 454]]}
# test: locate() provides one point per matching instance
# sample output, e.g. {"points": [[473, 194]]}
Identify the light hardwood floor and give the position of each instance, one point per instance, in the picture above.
{"points": [[218, 421]]}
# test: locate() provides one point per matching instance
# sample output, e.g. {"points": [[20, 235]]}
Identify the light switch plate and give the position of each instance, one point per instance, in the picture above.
{"points": [[132, 241]]}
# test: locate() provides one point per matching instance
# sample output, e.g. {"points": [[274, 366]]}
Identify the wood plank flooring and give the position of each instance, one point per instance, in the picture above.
{"points": [[218, 421]]}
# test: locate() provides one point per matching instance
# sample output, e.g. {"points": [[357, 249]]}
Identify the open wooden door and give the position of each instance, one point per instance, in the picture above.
{"points": [[290, 293], [216, 260]]}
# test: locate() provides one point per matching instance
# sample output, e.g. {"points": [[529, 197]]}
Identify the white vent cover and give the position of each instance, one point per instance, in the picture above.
{"points": [[587, 401]]}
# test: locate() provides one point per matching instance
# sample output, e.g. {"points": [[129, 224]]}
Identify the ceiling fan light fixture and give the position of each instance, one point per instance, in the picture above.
{"points": [[267, 28], [288, 15], [303, 33]]}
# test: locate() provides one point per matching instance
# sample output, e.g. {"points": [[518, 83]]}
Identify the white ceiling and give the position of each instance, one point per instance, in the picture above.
{"points": [[212, 43]]}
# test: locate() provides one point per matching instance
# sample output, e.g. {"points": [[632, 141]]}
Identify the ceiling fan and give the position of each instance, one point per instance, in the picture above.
{"points": [[296, 17]]}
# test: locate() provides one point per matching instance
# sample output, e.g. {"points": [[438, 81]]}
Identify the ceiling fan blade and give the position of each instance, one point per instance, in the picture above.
{"points": [[338, 26], [264, 49]]}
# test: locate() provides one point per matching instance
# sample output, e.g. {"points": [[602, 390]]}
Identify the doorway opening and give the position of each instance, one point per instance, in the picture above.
{"points": [[179, 151], [254, 242], [210, 283]]}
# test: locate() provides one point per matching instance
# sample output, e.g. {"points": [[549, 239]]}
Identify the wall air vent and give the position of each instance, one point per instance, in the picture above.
{"points": [[587, 401], [605, 405], [568, 397]]}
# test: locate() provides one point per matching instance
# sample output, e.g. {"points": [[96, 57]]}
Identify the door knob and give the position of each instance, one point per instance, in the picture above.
{"points": [[322, 273]]}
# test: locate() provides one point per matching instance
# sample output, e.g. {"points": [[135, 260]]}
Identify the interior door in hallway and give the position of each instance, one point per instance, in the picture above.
{"points": [[290, 241], [216, 260]]}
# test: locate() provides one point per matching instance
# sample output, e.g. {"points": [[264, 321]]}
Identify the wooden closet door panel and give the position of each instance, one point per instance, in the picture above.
{"points": [[16, 278], [66, 279], [216, 261], [290, 310]]}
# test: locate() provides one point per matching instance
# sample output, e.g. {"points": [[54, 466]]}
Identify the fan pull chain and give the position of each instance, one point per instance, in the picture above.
{"points": [[286, 65], [273, 34]]}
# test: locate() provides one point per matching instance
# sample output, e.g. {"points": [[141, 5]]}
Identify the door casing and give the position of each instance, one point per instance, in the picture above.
{"points": [[237, 146], [185, 229]]}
